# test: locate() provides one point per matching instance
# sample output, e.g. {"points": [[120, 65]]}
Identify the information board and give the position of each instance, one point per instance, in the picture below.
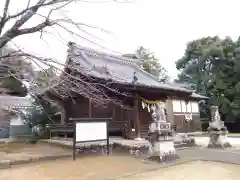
{"points": [[91, 131]]}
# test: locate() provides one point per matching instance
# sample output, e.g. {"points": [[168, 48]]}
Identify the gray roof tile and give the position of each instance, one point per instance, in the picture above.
{"points": [[198, 96], [117, 68], [193, 95]]}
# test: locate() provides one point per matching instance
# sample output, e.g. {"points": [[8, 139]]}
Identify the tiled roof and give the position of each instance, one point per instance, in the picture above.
{"points": [[193, 95], [116, 68], [198, 96]]}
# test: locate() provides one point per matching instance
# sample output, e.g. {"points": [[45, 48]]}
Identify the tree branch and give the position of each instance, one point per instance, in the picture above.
{"points": [[3, 18], [41, 3], [34, 29], [64, 84], [27, 16]]}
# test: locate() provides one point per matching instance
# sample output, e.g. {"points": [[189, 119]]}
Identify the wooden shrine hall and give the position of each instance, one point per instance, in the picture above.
{"points": [[127, 76]]}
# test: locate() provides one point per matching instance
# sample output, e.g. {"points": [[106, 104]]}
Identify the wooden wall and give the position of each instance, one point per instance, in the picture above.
{"points": [[77, 108], [182, 107], [183, 126], [82, 108]]}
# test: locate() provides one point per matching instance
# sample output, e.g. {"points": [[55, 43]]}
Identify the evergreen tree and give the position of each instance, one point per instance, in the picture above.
{"points": [[211, 66], [150, 63]]}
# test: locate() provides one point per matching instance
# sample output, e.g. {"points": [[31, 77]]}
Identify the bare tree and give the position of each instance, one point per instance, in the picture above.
{"points": [[45, 10], [65, 83]]}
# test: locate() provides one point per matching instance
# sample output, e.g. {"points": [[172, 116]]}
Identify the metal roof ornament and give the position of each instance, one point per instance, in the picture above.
{"points": [[70, 43], [106, 69], [135, 77]]}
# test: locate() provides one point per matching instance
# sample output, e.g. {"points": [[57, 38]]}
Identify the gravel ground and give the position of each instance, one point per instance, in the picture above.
{"points": [[17, 150], [116, 166], [89, 168]]}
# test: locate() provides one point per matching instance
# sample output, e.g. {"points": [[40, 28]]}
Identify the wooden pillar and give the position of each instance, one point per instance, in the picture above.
{"points": [[62, 108], [188, 123], [121, 111], [129, 124], [63, 116], [169, 109], [170, 113], [137, 124], [114, 113], [89, 108]]}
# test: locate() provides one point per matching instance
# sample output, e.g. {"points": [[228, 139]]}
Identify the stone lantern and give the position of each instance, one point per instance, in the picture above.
{"points": [[161, 146], [217, 130]]}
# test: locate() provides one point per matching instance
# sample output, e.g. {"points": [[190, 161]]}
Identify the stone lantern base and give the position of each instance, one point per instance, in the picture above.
{"points": [[218, 139], [163, 151]]}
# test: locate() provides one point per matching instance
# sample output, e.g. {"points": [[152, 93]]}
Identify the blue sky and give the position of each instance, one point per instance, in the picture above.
{"points": [[163, 26]]}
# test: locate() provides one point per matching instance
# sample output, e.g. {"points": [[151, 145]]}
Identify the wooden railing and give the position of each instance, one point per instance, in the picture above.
{"points": [[61, 128], [113, 126], [117, 126], [205, 119]]}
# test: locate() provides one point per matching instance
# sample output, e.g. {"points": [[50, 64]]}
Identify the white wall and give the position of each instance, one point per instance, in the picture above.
{"points": [[181, 106]]}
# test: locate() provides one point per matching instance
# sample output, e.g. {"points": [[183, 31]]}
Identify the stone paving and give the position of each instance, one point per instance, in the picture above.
{"points": [[196, 170], [208, 164], [133, 144], [117, 141], [203, 141], [218, 155]]}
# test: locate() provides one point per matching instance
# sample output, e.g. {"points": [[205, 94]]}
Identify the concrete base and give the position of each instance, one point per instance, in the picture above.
{"points": [[163, 151], [138, 139], [20, 131], [217, 140]]}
